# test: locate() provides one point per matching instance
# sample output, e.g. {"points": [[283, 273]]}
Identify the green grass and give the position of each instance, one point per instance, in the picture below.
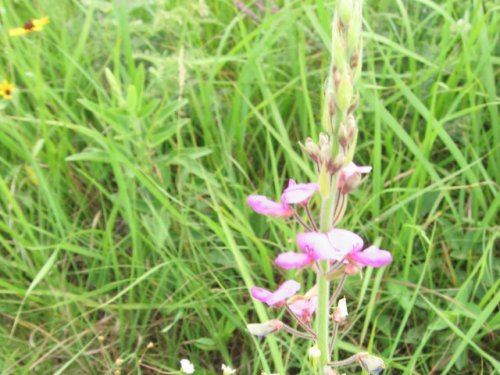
{"points": [[123, 183]]}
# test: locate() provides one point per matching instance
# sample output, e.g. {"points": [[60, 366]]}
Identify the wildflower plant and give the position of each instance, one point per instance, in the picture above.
{"points": [[331, 252]]}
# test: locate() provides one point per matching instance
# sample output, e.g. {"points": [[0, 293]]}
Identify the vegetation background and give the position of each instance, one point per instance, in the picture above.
{"points": [[137, 129]]}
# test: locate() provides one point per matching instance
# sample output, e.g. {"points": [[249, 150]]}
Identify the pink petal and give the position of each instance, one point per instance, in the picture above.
{"points": [[372, 256], [260, 294], [265, 206], [315, 244], [344, 242], [285, 291], [300, 307], [304, 308], [299, 193], [291, 260]]}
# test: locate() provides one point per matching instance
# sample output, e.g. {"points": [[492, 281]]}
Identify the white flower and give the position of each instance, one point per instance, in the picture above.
{"points": [[186, 366], [226, 370]]}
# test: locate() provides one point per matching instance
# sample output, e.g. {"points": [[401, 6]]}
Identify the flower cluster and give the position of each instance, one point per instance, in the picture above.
{"points": [[331, 252]]}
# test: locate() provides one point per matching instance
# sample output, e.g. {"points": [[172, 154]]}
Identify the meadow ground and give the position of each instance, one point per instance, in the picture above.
{"points": [[136, 130]]}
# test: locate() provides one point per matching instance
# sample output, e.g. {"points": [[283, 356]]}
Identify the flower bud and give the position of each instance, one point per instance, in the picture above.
{"points": [[372, 364], [345, 9], [337, 163], [339, 51], [344, 92], [326, 153], [351, 183], [314, 354], [311, 149], [351, 126], [264, 329], [324, 140], [341, 312], [344, 137]]}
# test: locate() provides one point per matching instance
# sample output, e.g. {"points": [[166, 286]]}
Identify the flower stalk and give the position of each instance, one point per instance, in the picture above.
{"points": [[330, 252], [323, 315]]}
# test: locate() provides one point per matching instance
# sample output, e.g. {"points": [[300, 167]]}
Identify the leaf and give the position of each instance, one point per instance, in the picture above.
{"points": [[205, 344]]}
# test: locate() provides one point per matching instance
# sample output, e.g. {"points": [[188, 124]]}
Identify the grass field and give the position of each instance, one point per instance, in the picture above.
{"points": [[136, 131]]}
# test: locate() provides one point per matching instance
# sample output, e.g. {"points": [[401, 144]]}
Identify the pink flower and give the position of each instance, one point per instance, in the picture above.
{"points": [[299, 193], [336, 245], [293, 194], [350, 176], [265, 206], [372, 256], [291, 260], [304, 308], [278, 298]]}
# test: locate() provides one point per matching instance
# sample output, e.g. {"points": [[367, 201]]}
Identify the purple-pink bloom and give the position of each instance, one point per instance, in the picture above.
{"points": [[372, 256], [291, 260], [334, 245], [278, 298], [315, 244], [337, 245], [293, 194], [304, 308], [265, 206], [299, 193], [350, 176]]}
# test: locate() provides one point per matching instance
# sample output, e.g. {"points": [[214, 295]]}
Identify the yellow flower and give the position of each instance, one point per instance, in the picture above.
{"points": [[6, 89], [30, 26]]}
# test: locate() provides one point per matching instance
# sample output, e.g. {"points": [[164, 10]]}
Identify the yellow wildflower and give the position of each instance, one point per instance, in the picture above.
{"points": [[6, 89], [30, 26]]}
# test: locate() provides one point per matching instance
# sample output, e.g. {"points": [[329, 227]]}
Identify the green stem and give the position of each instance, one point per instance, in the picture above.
{"points": [[323, 312]]}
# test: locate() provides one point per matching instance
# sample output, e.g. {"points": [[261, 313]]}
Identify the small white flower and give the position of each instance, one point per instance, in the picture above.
{"points": [[226, 370], [186, 366]]}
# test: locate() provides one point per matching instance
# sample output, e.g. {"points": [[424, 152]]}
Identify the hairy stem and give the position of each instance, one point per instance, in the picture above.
{"points": [[346, 361], [334, 335], [323, 312], [300, 321], [335, 295], [301, 222], [311, 219], [294, 332]]}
